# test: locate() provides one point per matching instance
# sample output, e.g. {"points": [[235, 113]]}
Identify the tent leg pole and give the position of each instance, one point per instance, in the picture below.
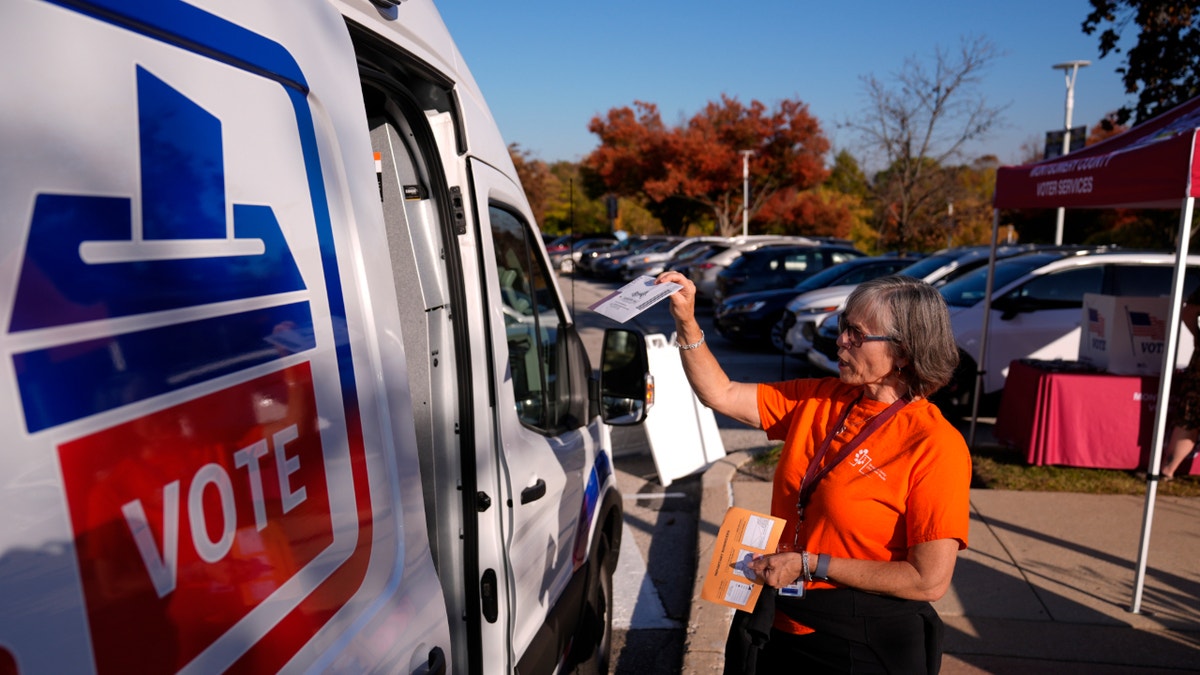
{"points": [[983, 338], [1160, 408]]}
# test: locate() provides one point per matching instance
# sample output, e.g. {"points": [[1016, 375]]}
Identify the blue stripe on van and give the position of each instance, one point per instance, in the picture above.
{"points": [[197, 31], [67, 382]]}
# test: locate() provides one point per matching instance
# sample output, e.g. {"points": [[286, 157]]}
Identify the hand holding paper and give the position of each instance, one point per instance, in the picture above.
{"points": [[633, 298], [744, 536]]}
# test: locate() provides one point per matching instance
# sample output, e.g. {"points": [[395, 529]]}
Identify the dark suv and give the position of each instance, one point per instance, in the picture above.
{"points": [[783, 266]]}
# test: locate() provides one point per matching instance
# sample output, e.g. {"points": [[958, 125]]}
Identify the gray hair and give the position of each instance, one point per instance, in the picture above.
{"points": [[915, 314]]}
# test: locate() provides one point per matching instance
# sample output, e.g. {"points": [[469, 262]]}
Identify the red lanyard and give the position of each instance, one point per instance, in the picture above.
{"points": [[814, 475]]}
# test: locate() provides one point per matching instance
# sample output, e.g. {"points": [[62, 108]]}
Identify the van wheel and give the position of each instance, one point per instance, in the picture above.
{"points": [[596, 628]]}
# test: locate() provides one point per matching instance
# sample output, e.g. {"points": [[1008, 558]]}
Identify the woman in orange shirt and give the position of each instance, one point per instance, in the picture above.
{"points": [[872, 480]]}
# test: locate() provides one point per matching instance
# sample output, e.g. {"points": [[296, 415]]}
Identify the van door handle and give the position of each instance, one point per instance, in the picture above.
{"points": [[534, 492]]}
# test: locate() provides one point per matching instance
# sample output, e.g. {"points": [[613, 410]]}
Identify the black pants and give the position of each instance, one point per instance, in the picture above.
{"points": [[856, 632], [900, 644]]}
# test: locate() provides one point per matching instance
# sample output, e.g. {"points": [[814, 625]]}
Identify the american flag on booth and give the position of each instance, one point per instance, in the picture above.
{"points": [[1095, 321], [1143, 324]]}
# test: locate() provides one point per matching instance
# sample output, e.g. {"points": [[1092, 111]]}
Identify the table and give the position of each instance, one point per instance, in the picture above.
{"points": [[1061, 414]]}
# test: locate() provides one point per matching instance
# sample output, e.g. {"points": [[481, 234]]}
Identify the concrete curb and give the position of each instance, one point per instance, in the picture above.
{"points": [[708, 623]]}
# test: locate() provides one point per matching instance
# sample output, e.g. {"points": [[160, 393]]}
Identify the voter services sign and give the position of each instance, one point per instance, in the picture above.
{"points": [[205, 498]]}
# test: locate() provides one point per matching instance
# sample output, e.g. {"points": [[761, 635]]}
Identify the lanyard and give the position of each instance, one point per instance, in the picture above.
{"points": [[814, 475]]}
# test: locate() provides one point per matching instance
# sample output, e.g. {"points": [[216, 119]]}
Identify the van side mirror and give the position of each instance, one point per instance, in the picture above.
{"points": [[626, 385]]}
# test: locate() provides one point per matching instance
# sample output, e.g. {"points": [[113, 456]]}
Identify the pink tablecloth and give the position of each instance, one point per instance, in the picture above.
{"points": [[1078, 419]]}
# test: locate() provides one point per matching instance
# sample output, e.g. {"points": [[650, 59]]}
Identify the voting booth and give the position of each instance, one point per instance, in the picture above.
{"points": [[1127, 335]]}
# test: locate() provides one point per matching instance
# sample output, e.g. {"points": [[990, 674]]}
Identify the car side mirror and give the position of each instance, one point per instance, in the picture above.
{"points": [[626, 385], [1008, 307]]}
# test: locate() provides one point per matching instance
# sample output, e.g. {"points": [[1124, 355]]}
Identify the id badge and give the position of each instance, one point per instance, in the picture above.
{"points": [[795, 590]]}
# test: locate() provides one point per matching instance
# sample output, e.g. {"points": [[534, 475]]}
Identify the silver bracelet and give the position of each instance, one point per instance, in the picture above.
{"points": [[805, 573], [695, 344]]}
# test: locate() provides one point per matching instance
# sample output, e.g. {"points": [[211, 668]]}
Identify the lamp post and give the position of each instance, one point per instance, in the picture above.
{"points": [[1070, 70], [746, 191]]}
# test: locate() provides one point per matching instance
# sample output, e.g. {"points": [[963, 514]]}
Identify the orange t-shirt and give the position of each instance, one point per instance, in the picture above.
{"points": [[907, 483]]}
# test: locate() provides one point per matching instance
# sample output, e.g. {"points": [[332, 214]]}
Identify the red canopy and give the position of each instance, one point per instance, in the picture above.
{"points": [[1151, 165]]}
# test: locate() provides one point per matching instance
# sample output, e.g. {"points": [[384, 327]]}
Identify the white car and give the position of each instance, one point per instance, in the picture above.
{"points": [[1036, 311], [653, 261], [809, 310], [938, 268], [1037, 307]]}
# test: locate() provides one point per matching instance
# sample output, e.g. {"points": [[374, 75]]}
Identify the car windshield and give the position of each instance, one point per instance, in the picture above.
{"points": [[969, 289], [826, 277], [926, 266], [659, 246]]}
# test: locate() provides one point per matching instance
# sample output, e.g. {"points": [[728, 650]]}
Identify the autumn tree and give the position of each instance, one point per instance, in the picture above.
{"points": [[849, 186], [1163, 66], [560, 202], [969, 210], [575, 207], [695, 170], [917, 121], [539, 184]]}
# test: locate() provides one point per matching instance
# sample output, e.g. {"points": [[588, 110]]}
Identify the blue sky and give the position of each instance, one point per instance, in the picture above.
{"points": [[547, 67]]}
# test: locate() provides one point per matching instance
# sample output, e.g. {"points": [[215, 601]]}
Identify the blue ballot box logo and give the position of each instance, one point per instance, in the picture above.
{"points": [[98, 257]]}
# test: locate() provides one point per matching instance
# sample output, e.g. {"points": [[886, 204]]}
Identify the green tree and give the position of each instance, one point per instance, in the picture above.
{"points": [[1163, 66], [847, 177]]}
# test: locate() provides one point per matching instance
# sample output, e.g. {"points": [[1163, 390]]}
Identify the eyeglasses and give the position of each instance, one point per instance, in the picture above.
{"points": [[856, 337]]}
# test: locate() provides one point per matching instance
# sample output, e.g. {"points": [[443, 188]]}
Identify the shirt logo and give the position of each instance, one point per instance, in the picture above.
{"points": [[862, 460]]}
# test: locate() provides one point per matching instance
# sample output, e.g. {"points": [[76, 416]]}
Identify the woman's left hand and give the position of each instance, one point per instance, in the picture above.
{"points": [[777, 570]]}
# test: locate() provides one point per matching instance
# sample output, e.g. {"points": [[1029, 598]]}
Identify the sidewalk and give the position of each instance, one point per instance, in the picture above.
{"points": [[1045, 586]]}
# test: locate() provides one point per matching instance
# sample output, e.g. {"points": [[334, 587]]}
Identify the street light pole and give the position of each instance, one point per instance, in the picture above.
{"points": [[1070, 70], [746, 191]]}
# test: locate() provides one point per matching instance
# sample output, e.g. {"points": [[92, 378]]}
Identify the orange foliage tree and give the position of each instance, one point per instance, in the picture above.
{"points": [[700, 163]]}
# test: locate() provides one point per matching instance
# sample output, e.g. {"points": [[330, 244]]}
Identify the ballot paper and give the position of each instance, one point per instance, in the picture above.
{"points": [[743, 536], [633, 298]]}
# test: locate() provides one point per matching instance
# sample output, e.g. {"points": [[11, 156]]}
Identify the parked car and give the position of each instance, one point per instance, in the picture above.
{"points": [[683, 264], [778, 266], [1036, 312], [613, 267], [564, 260], [653, 262], [704, 275], [1036, 309], [587, 262], [937, 269], [565, 241], [762, 315]]}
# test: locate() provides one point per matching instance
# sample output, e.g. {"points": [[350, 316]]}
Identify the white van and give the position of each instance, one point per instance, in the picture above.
{"points": [[288, 383]]}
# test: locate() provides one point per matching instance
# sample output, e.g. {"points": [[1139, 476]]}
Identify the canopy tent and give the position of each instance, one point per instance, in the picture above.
{"points": [[1153, 165]]}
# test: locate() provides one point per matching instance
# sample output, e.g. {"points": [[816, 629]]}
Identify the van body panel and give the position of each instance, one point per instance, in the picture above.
{"points": [[274, 404]]}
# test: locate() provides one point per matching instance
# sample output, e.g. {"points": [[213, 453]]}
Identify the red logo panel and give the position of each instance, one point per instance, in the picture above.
{"points": [[188, 518]]}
